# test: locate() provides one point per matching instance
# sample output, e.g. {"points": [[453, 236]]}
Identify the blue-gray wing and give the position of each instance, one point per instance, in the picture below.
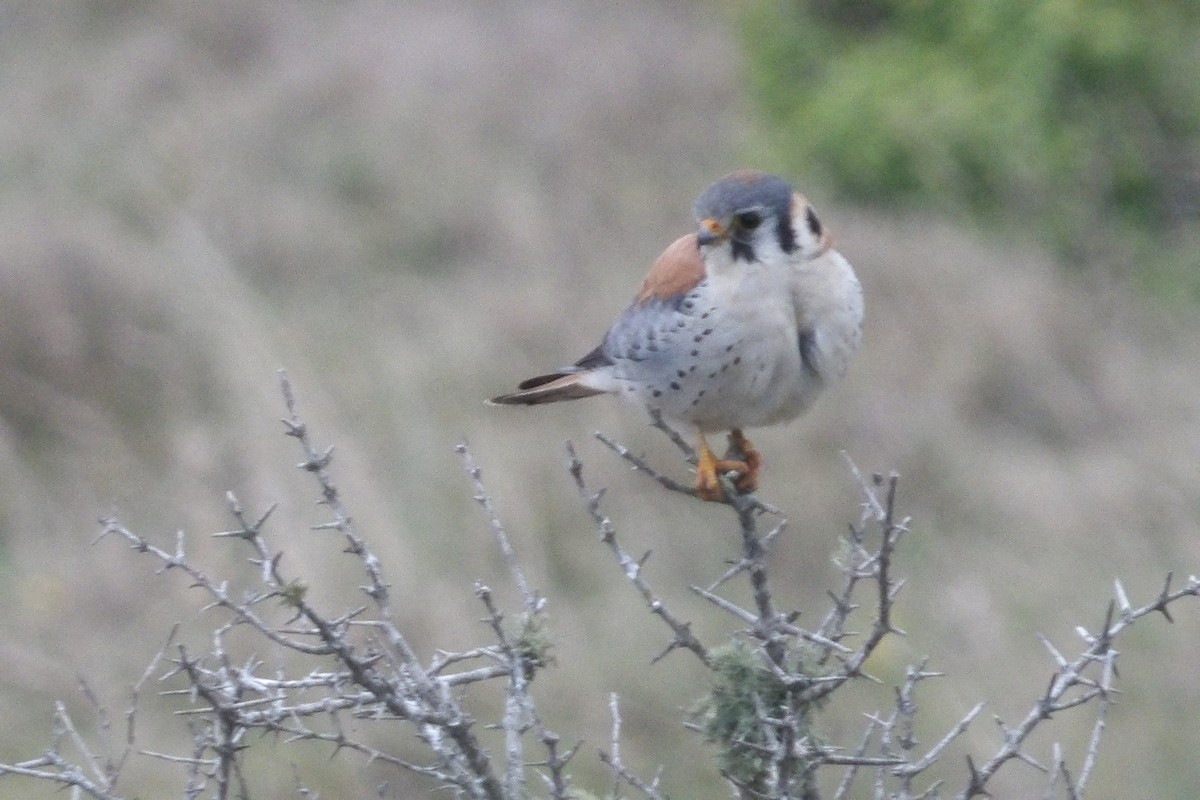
{"points": [[653, 331]]}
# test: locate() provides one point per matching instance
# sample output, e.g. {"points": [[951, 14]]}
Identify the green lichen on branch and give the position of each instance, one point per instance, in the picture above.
{"points": [[750, 707]]}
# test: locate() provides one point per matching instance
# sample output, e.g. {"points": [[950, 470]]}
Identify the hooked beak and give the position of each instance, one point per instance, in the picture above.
{"points": [[710, 231]]}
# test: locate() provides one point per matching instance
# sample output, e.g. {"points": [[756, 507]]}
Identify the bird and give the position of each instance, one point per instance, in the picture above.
{"points": [[739, 324]]}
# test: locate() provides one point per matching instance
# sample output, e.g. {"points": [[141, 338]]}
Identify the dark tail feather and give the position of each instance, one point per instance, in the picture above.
{"points": [[550, 388]]}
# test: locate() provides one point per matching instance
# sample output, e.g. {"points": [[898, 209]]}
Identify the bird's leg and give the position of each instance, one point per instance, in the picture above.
{"points": [[744, 453], [708, 487], [708, 467]]}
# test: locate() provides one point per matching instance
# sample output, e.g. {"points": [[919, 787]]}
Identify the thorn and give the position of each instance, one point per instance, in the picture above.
{"points": [[1105, 637], [975, 787], [1122, 598], [1057, 656], [1164, 596]]}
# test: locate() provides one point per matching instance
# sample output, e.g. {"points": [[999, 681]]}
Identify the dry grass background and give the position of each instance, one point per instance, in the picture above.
{"points": [[411, 205]]}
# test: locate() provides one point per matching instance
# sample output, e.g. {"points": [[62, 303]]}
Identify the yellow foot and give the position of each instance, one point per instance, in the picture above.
{"points": [[709, 467], [740, 450]]}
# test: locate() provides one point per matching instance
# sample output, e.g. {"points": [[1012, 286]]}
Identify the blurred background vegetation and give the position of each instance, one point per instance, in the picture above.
{"points": [[1076, 123], [412, 205]]}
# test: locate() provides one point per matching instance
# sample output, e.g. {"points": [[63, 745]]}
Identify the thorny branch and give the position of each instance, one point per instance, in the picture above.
{"points": [[810, 666], [1088, 677], [769, 679], [379, 676], [633, 567]]}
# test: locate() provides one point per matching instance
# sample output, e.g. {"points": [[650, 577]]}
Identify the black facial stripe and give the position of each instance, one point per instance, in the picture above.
{"points": [[814, 224], [742, 250], [787, 234]]}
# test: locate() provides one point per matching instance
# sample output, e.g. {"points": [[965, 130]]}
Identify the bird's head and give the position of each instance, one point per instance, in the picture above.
{"points": [[756, 215]]}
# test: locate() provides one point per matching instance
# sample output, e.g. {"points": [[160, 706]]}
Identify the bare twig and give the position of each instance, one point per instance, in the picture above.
{"points": [[632, 568], [642, 466], [532, 602], [612, 758], [1071, 675], [769, 681]]}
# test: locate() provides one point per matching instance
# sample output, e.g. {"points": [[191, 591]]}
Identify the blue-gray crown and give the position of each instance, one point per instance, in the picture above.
{"points": [[743, 190]]}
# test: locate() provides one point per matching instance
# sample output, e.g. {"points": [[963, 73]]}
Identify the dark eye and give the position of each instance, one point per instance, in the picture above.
{"points": [[749, 220]]}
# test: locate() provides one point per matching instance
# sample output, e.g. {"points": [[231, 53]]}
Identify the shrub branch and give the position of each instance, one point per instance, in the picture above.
{"points": [[770, 678]]}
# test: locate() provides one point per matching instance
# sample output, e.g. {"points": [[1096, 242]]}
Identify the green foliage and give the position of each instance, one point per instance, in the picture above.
{"points": [[1078, 121], [745, 691], [293, 593], [534, 641]]}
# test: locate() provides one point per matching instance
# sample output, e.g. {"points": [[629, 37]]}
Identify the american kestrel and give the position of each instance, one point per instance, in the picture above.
{"points": [[740, 324]]}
